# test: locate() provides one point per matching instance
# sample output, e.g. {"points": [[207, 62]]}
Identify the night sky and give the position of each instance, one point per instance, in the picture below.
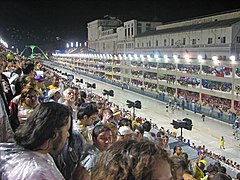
{"points": [[40, 22]]}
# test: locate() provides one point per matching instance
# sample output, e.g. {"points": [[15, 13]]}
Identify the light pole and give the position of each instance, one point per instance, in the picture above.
{"points": [[137, 104], [108, 93], [92, 86]]}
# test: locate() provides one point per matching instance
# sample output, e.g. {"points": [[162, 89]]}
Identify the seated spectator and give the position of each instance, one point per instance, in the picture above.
{"points": [[132, 160]]}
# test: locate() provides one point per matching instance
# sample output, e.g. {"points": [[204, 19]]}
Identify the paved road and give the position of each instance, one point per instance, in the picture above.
{"points": [[207, 133]]}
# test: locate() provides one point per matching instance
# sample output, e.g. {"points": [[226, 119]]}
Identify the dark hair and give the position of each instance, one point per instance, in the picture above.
{"points": [[27, 67], [222, 169], [147, 126], [125, 122], [25, 80], [140, 129], [212, 169], [221, 176], [83, 94], [175, 148], [99, 129], [87, 109], [178, 165], [40, 126], [238, 176]]}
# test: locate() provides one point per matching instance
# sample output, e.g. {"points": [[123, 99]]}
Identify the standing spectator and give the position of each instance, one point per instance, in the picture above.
{"points": [[44, 132], [87, 114], [28, 70], [6, 131], [177, 151], [166, 107], [133, 160], [222, 143], [55, 83], [102, 138], [147, 127], [28, 102], [124, 133], [40, 85], [54, 95], [203, 117]]}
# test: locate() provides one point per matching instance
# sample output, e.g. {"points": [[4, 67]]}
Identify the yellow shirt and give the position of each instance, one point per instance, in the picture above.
{"points": [[50, 87]]}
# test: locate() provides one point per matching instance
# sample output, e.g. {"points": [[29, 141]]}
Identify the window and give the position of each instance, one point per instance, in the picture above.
{"points": [[238, 39], [209, 40], [223, 40], [125, 32], [139, 28], [149, 43], [156, 42], [194, 41], [165, 42], [184, 41], [142, 44], [148, 26], [172, 42], [128, 32], [137, 44], [132, 31]]}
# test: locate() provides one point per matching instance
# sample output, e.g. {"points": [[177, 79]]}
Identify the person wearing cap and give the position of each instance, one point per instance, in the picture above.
{"points": [[117, 116], [39, 84], [54, 95], [124, 133]]}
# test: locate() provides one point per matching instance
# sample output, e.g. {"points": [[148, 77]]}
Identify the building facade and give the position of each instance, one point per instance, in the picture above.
{"points": [[195, 62]]}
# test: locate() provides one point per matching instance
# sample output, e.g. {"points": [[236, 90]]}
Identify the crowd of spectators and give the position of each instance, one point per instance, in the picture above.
{"points": [[216, 103], [185, 81], [167, 66], [190, 69], [50, 118], [218, 71], [167, 78], [218, 86]]}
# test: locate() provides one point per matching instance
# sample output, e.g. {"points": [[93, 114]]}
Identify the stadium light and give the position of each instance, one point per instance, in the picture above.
{"points": [[183, 124], [108, 93], [137, 104], [232, 58]]}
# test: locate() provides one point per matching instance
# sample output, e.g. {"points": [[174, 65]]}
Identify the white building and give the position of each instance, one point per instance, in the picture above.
{"points": [[215, 35], [113, 36]]}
